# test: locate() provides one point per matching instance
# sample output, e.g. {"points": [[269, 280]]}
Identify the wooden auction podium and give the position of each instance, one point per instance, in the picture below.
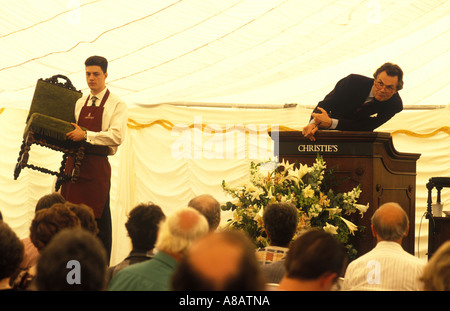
{"points": [[368, 159]]}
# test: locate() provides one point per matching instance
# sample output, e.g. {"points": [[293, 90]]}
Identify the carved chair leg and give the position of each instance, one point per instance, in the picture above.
{"points": [[24, 154], [18, 167], [62, 178]]}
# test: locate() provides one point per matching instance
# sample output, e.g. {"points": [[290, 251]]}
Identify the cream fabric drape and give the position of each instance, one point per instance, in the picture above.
{"points": [[235, 51], [173, 153]]}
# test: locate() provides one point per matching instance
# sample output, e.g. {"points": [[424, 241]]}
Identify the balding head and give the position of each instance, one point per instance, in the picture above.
{"points": [[219, 261], [390, 222], [209, 207], [181, 228], [216, 258]]}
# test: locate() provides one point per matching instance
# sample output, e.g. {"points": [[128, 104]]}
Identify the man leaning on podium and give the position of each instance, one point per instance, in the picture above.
{"points": [[359, 103]]}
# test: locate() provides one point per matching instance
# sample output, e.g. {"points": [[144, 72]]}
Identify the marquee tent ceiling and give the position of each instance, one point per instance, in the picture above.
{"points": [[269, 52]]}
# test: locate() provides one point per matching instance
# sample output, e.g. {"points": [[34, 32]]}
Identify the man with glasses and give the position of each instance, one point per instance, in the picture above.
{"points": [[359, 103]]}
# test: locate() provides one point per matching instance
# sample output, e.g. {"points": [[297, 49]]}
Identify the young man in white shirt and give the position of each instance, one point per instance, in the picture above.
{"points": [[104, 115]]}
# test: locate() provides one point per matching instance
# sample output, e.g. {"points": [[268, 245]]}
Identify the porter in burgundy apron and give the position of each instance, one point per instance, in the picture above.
{"points": [[93, 184]]}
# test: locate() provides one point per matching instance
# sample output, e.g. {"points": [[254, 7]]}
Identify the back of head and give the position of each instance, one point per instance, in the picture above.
{"points": [[390, 222], [48, 200], [314, 254], [11, 251], [49, 221], [223, 261], [86, 216], [180, 230], [209, 207], [74, 260], [436, 274], [280, 222], [143, 225]]}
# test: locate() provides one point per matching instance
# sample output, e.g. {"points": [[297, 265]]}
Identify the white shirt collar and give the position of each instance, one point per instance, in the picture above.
{"points": [[99, 96]]}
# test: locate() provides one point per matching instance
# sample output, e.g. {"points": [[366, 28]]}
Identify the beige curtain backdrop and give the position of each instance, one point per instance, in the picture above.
{"points": [[173, 153]]}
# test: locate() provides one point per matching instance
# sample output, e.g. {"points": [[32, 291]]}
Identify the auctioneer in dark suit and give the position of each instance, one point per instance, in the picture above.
{"points": [[346, 104]]}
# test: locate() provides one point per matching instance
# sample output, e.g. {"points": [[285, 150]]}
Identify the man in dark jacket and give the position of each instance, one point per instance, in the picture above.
{"points": [[359, 103]]}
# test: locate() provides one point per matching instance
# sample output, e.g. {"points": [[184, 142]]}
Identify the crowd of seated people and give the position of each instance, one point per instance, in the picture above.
{"points": [[187, 250]]}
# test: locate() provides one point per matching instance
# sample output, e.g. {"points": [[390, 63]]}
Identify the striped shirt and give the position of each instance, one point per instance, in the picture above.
{"points": [[270, 254], [385, 268]]}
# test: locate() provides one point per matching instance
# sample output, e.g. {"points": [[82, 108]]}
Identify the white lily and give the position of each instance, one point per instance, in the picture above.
{"points": [[330, 229], [351, 226], [287, 166], [362, 208], [303, 170], [259, 217], [334, 211]]}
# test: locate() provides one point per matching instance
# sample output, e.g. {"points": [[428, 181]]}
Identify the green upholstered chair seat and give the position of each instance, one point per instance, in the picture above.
{"points": [[48, 126]]}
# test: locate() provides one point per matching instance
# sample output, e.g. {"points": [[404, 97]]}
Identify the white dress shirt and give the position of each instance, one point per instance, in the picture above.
{"points": [[114, 122], [385, 268]]}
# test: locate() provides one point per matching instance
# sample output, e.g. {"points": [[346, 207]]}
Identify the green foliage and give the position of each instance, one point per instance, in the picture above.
{"points": [[309, 188]]}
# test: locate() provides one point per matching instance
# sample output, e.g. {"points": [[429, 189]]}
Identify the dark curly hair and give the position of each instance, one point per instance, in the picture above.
{"points": [[280, 222], [11, 251], [48, 200], [49, 221], [86, 216], [315, 253], [69, 247], [143, 225]]}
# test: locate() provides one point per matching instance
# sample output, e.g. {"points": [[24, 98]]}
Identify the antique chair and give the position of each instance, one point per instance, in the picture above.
{"points": [[48, 121]]}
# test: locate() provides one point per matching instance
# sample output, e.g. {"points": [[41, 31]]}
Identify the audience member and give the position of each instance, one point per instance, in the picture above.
{"points": [[142, 225], [11, 254], [176, 235], [387, 266], [31, 253], [48, 200], [209, 207], [74, 260], [436, 274], [315, 261], [280, 223], [46, 223], [219, 261], [86, 216]]}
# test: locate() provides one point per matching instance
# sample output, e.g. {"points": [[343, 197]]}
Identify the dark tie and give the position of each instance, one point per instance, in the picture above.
{"points": [[94, 99], [367, 103]]}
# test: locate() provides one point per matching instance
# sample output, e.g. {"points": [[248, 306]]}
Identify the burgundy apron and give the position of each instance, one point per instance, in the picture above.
{"points": [[93, 183]]}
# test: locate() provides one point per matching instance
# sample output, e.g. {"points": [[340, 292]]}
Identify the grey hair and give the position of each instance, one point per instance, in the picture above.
{"points": [[175, 236]]}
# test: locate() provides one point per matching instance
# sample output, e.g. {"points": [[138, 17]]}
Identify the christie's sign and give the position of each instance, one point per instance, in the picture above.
{"points": [[318, 148], [328, 147]]}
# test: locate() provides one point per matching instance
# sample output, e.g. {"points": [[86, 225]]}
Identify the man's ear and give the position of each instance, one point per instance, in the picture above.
{"points": [[327, 280]]}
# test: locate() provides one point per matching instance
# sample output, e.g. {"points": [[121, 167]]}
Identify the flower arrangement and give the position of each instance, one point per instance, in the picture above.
{"points": [[302, 185]]}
